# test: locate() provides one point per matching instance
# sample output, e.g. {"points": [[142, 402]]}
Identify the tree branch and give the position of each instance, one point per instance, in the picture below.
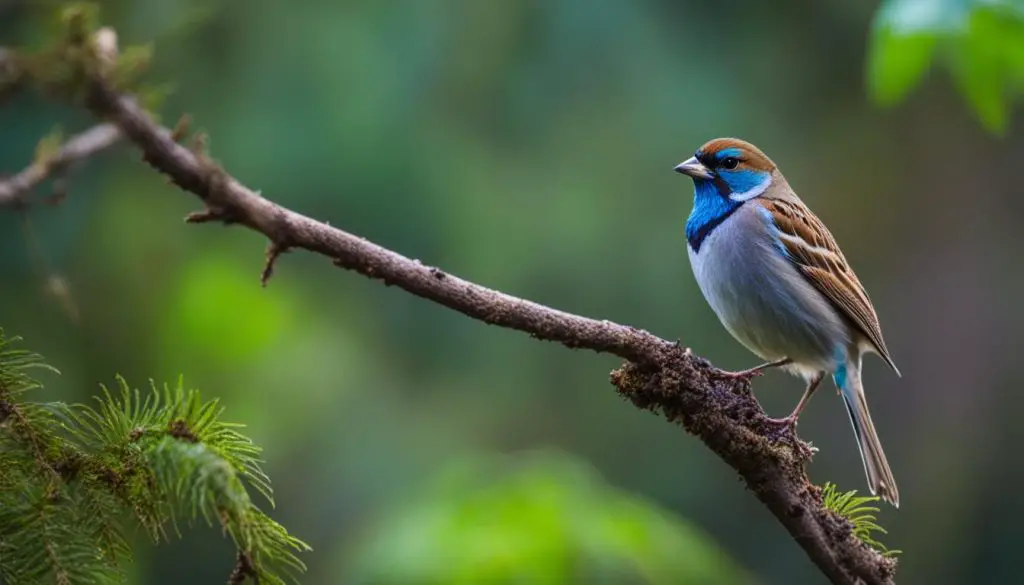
{"points": [[659, 376], [243, 570], [13, 189]]}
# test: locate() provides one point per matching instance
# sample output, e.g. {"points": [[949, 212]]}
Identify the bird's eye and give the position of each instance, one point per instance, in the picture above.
{"points": [[730, 162]]}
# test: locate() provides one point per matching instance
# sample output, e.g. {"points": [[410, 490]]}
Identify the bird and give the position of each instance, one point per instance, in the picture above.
{"points": [[778, 282]]}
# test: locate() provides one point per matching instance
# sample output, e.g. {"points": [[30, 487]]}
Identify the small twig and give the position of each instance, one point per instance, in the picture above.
{"points": [[204, 216], [14, 191], [243, 569], [15, 188], [180, 129], [274, 250]]}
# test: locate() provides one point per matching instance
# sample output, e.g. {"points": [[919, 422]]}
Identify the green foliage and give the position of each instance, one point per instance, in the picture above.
{"points": [[73, 56], [855, 509], [539, 518], [981, 42], [73, 477]]}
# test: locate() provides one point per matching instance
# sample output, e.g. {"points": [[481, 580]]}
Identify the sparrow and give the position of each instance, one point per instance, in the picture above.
{"points": [[778, 282]]}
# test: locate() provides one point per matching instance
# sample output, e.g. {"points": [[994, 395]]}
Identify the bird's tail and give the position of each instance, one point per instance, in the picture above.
{"points": [[880, 479]]}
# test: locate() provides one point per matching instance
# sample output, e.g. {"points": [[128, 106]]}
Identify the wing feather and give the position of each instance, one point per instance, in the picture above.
{"points": [[818, 257]]}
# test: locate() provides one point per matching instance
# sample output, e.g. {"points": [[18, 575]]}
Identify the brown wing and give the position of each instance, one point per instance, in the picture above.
{"points": [[815, 252]]}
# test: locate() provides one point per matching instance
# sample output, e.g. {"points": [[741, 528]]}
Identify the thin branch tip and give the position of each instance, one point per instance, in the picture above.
{"points": [[212, 214], [105, 46], [244, 569], [205, 216], [274, 250], [53, 164], [181, 128], [199, 144]]}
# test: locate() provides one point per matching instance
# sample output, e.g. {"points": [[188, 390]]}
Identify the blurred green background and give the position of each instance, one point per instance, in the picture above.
{"points": [[528, 146]]}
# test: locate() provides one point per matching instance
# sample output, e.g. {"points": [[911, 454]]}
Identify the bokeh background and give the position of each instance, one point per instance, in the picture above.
{"points": [[528, 146]]}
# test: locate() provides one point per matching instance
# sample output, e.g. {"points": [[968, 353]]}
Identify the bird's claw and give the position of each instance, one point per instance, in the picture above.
{"points": [[784, 422], [743, 374]]}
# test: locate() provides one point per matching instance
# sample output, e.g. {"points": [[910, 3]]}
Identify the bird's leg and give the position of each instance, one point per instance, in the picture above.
{"points": [[812, 385], [756, 371]]}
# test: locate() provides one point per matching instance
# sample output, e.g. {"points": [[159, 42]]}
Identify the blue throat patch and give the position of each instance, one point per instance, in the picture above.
{"points": [[711, 199], [711, 206]]}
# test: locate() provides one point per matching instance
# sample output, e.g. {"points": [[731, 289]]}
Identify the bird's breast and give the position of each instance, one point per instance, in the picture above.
{"points": [[761, 297]]}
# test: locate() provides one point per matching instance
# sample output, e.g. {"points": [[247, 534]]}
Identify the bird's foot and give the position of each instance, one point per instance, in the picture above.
{"points": [[746, 375], [743, 374], [784, 422], [783, 430]]}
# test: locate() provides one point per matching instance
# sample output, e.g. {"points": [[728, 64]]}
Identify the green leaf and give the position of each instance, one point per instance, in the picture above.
{"points": [[904, 35], [989, 63], [977, 76], [896, 63], [981, 42]]}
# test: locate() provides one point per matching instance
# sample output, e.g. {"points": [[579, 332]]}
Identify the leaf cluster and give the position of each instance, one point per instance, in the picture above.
{"points": [[980, 43]]}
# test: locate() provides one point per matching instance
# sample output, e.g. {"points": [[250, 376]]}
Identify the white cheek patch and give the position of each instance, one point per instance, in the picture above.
{"points": [[753, 191]]}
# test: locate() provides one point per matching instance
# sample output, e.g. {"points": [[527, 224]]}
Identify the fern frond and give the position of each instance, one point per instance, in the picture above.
{"points": [[47, 540], [859, 513], [14, 366], [202, 421], [68, 474], [190, 465], [273, 549], [95, 504]]}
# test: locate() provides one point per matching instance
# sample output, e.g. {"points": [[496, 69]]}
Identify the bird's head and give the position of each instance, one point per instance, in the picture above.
{"points": [[737, 170]]}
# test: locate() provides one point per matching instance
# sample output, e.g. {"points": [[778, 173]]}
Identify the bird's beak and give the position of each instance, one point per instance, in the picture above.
{"points": [[694, 168]]}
